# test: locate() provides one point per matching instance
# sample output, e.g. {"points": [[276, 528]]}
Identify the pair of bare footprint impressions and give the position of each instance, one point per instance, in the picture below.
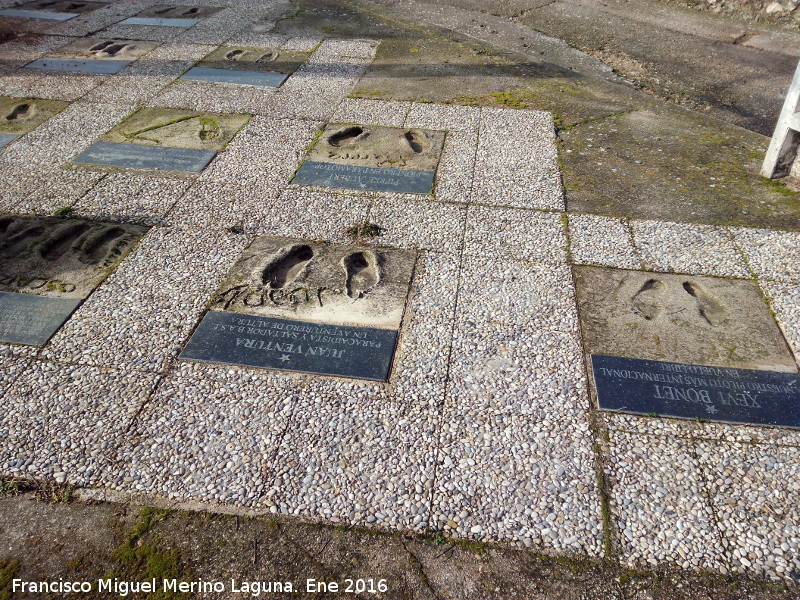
{"points": [[111, 48], [20, 112], [61, 5], [354, 142], [89, 242], [361, 269], [649, 301]]}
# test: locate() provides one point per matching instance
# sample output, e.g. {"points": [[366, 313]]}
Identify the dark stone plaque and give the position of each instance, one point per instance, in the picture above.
{"points": [[37, 14], [378, 179], [230, 338], [160, 22], [32, 320], [7, 138], [692, 391], [263, 79], [138, 156], [78, 65]]}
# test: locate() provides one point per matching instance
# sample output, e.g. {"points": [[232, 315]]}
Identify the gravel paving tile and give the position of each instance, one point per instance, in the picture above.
{"points": [[514, 233], [520, 371], [66, 135], [267, 152], [352, 457], [219, 27], [372, 112], [688, 248], [754, 492], [141, 316], [208, 439], [52, 190], [11, 366], [215, 97], [314, 215], [62, 421], [57, 85], [21, 51], [518, 479], [131, 198], [604, 241], [685, 428], [659, 503], [144, 78], [517, 161], [447, 117], [305, 43], [454, 173], [151, 33], [423, 225], [785, 301], [498, 292], [254, 39], [771, 254], [223, 205], [419, 372]]}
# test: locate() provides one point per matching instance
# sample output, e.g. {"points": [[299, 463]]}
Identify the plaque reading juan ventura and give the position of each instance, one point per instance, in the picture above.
{"points": [[307, 306], [694, 391]]}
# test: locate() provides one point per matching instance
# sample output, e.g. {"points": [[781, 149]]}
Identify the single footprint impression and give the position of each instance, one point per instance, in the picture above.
{"points": [[416, 141], [647, 302], [710, 308], [20, 112], [347, 137], [286, 266], [362, 273]]}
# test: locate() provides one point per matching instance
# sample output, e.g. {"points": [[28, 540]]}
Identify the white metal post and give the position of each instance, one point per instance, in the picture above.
{"points": [[783, 148]]}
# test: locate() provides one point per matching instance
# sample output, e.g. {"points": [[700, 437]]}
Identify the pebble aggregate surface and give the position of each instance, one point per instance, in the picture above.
{"points": [[486, 428]]}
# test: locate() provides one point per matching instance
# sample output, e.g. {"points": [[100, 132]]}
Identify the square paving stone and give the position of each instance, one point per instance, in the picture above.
{"points": [[48, 266], [350, 456], [518, 479], [604, 241], [165, 139], [526, 235], [310, 307], [753, 491], [19, 116], [64, 421], [102, 56], [373, 158], [246, 66], [679, 318], [659, 503], [207, 436]]}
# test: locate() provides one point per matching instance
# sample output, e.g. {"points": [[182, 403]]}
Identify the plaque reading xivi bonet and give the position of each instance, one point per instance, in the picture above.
{"points": [[308, 306]]}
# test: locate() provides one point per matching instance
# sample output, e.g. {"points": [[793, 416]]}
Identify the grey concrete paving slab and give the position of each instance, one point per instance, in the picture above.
{"points": [[512, 293], [133, 198], [314, 215], [516, 163], [425, 225], [771, 254]]}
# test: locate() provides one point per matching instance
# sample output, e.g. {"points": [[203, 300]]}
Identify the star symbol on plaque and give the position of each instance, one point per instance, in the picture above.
{"points": [[284, 357], [710, 408], [363, 186]]}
